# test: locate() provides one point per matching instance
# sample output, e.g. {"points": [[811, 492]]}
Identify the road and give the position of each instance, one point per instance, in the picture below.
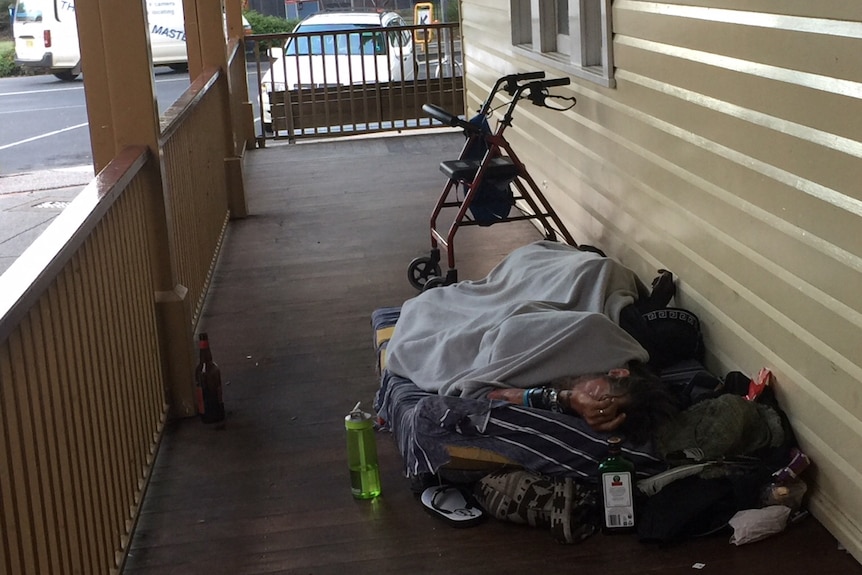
{"points": [[45, 120], [45, 156]]}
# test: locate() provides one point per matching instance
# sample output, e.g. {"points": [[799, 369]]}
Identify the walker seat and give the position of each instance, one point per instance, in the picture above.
{"points": [[499, 168]]}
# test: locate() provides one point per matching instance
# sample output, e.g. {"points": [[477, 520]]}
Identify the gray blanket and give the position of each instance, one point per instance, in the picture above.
{"points": [[546, 311]]}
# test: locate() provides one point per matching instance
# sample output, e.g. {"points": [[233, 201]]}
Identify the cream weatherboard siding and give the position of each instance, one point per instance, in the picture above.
{"points": [[728, 150]]}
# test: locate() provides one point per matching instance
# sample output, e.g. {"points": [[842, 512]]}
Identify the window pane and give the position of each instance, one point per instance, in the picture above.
{"points": [[563, 17], [591, 16], [522, 32], [572, 33]]}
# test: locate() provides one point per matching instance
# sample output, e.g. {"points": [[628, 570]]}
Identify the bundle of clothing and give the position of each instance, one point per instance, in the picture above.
{"points": [[731, 466], [547, 311]]}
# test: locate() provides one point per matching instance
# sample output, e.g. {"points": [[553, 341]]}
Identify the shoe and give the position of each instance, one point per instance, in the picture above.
{"points": [[454, 505], [663, 290]]}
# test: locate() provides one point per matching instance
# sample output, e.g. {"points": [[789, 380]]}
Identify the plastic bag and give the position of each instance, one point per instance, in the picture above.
{"points": [[758, 384], [753, 525]]}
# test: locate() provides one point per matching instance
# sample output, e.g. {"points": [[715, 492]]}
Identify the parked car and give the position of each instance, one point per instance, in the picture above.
{"points": [[46, 36], [340, 49]]}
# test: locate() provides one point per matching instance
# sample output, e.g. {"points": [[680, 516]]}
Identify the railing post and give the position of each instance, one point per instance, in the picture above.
{"points": [[173, 316], [235, 136], [243, 111], [206, 47], [122, 109]]}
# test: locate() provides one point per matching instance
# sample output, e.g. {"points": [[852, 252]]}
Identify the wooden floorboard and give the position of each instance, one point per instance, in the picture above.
{"points": [[332, 229]]}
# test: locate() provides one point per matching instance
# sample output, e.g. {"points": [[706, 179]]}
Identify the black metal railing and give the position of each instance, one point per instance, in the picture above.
{"points": [[337, 83]]}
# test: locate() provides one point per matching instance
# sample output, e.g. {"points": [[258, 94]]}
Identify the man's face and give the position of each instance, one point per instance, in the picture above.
{"points": [[596, 386], [601, 386]]}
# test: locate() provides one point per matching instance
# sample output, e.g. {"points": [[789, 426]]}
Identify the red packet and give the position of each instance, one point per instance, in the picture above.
{"points": [[759, 383]]}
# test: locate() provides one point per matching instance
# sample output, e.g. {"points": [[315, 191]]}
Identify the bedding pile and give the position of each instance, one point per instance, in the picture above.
{"points": [[548, 310], [427, 426]]}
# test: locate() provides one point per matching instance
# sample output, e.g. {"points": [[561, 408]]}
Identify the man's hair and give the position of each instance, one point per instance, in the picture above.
{"points": [[652, 402]]}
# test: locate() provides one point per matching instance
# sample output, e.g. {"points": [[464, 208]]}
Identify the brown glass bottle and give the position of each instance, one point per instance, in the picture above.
{"points": [[208, 384]]}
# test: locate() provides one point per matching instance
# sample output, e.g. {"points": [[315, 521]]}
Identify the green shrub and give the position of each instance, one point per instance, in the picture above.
{"points": [[264, 24], [5, 24], [453, 11], [7, 61]]}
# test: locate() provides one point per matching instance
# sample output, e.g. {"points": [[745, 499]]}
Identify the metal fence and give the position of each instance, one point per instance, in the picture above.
{"points": [[372, 80]]}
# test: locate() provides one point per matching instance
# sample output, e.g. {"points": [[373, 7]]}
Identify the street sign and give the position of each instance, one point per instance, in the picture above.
{"points": [[423, 15]]}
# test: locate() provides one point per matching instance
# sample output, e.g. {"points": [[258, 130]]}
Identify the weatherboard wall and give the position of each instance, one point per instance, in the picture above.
{"points": [[728, 151]]}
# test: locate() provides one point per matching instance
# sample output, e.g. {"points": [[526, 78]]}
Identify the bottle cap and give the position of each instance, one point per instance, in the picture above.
{"points": [[615, 444], [357, 419]]}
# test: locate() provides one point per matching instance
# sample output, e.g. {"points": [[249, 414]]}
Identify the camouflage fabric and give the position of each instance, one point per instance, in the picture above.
{"points": [[558, 504]]}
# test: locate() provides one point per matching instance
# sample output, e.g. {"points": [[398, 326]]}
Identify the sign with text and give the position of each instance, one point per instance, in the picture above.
{"points": [[423, 15]]}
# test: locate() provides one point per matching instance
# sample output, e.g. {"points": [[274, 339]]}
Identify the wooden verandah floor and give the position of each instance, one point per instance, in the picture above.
{"points": [[333, 226]]}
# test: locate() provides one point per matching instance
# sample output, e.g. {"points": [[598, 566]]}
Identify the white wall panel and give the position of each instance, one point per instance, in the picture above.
{"points": [[730, 151]]}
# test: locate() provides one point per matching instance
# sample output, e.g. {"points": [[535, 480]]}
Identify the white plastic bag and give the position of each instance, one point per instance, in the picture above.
{"points": [[755, 524]]}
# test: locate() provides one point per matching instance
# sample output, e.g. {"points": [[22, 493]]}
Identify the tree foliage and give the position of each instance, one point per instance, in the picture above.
{"points": [[5, 24], [7, 60], [264, 24]]}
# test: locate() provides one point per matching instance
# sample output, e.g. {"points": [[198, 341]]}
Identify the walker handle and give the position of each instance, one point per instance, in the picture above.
{"points": [[512, 80], [564, 81], [445, 117], [528, 75], [537, 91]]}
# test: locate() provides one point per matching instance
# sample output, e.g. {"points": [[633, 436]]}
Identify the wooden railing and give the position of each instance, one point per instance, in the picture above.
{"points": [[346, 110], [90, 359], [81, 388], [196, 193], [241, 108]]}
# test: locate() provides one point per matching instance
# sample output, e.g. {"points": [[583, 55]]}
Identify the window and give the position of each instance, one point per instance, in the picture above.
{"points": [[362, 42], [574, 35]]}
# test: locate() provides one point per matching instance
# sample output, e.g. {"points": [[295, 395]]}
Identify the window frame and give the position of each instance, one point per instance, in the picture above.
{"points": [[589, 52]]}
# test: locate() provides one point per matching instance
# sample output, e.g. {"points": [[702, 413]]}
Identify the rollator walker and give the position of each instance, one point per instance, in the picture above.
{"points": [[485, 172]]}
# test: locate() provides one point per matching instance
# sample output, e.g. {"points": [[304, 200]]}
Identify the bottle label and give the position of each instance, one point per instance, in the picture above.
{"points": [[618, 500]]}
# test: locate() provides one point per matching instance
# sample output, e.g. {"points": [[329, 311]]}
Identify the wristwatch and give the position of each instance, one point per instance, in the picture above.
{"points": [[543, 398]]}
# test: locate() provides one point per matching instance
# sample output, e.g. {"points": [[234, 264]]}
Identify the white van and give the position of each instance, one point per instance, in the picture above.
{"points": [[46, 35]]}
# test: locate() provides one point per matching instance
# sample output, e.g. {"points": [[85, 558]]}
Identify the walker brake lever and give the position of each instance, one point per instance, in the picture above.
{"points": [[538, 91], [512, 81]]}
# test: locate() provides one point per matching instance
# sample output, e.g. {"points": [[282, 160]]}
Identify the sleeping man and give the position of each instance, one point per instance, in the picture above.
{"points": [[631, 404], [547, 316]]}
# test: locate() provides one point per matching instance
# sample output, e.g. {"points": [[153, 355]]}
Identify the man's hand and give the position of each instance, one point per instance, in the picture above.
{"points": [[510, 394], [602, 414]]}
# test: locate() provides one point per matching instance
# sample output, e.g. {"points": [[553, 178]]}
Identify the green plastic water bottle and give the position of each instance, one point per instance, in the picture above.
{"points": [[362, 455], [616, 477]]}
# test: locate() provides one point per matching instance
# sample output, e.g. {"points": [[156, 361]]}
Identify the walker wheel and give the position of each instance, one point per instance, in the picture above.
{"points": [[421, 270], [434, 282]]}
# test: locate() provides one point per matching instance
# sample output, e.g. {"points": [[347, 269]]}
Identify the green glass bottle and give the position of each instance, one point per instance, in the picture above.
{"points": [[362, 455], [616, 486]]}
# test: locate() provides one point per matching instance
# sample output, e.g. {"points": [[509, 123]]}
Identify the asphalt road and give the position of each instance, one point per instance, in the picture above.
{"points": [[44, 120], [45, 155]]}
